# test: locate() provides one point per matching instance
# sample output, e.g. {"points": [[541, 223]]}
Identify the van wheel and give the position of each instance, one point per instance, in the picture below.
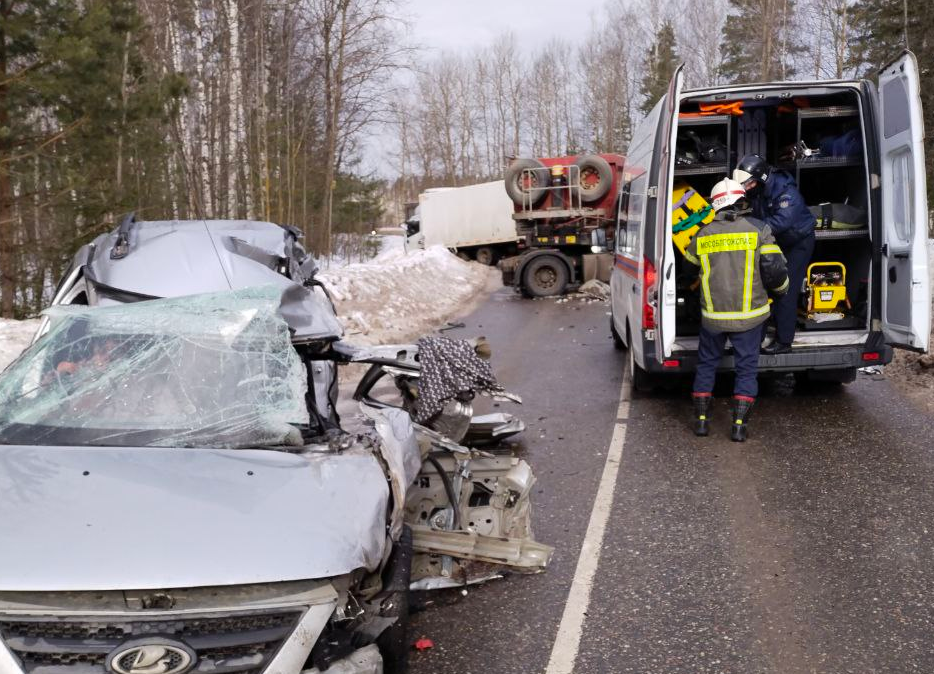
{"points": [[485, 255], [393, 642], [463, 256], [617, 340], [642, 381], [545, 276]]}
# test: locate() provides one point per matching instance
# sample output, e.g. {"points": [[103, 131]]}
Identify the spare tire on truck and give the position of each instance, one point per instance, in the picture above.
{"points": [[545, 276], [596, 177], [526, 187]]}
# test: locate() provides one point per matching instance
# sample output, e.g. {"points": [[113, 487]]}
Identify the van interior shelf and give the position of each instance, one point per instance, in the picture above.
{"points": [[701, 169], [703, 120], [831, 111], [821, 162], [840, 233], [827, 162]]}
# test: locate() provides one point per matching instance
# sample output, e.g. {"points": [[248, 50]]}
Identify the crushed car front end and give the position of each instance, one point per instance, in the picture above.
{"points": [[179, 494]]}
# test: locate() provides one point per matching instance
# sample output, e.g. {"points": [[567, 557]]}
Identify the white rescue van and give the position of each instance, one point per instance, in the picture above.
{"points": [[854, 147]]}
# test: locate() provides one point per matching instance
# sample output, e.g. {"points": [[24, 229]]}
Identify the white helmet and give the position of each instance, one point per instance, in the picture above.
{"points": [[726, 193]]}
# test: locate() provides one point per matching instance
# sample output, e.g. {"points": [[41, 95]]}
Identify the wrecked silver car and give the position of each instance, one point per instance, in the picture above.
{"points": [[179, 494]]}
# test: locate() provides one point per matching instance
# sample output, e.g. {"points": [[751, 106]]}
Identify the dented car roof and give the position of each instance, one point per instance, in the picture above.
{"points": [[174, 258]]}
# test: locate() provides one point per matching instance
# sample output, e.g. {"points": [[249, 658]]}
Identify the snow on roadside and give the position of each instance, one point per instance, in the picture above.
{"points": [[14, 337], [396, 297]]}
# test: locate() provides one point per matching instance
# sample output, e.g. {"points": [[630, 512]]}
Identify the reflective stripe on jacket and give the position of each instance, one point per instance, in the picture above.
{"points": [[739, 263]]}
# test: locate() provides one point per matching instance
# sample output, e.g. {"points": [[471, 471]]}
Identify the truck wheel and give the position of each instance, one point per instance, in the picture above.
{"points": [[463, 256], [393, 643], [545, 276], [596, 177], [485, 256], [526, 189]]}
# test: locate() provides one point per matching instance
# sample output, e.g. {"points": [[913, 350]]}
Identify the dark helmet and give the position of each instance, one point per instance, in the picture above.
{"points": [[753, 172]]}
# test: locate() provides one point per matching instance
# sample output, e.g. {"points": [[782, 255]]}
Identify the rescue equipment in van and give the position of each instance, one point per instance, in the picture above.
{"points": [[826, 283], [848, 144], [839, 216], [708, 109], [706, 149], [689, 210]]}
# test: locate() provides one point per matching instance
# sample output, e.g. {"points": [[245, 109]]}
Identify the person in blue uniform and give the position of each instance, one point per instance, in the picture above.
{"points": [[776, 200]]}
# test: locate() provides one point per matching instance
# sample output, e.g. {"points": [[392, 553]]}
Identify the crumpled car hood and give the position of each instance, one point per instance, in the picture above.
{"points": [[89, 518]]}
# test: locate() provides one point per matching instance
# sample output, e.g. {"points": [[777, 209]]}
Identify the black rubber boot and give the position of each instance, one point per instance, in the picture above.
{"points": [[742, 406], [701, 415]]}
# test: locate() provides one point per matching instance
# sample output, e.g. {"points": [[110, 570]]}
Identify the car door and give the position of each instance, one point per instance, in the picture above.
{"points": [[664, 250], [906, 293]]}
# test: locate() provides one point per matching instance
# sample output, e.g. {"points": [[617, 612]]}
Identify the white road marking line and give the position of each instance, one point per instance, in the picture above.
{"points": [[567, 642]]}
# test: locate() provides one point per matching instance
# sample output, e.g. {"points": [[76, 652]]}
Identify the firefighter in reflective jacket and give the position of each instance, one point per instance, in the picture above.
{"points": [[740, 266], [775, 199]]}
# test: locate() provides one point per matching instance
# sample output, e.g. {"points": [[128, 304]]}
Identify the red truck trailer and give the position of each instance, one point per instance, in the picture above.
{"points": [[565, 214]]}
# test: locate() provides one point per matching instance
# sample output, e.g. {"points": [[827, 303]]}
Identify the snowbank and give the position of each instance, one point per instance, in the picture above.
{"points": [[396, 297], [14, 337]]}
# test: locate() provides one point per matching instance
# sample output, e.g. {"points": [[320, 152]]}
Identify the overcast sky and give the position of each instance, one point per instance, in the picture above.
{"points": [[456, 25], [436, 26]]}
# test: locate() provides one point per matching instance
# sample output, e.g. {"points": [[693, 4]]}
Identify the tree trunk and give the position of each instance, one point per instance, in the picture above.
{"points": [[235, 129], [7, 275], [203, 155]]}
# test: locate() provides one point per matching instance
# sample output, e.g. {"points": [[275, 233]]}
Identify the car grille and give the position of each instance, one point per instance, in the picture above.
{"points": [[241, 644]]}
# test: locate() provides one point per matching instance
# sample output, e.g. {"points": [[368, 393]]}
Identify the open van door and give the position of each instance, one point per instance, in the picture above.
{"points": [[906, 293], [666, 300]]}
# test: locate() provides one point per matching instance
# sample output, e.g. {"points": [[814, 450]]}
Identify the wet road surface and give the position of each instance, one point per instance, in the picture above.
{"points": [[807, 549]]}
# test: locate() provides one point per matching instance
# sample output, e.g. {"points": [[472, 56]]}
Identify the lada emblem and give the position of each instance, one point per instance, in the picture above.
{"points": [[151, 656]]}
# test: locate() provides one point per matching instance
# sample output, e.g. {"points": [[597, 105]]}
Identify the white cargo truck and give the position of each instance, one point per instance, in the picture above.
{"points": [[474, 221]]}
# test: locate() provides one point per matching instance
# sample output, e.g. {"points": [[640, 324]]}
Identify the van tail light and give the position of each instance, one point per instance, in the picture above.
{"points": [[871, 355], [648, 284], [671, 363]]}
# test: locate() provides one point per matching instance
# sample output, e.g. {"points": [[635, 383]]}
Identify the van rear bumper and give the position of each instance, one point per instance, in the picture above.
{"points": [[804, 358]]}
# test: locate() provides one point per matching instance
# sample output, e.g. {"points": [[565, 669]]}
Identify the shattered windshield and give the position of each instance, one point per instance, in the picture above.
{"points": [[214, 370]]}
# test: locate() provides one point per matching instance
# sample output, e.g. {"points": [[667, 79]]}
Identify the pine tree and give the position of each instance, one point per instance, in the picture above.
{"points": [[758, 42], [77, 109], [659, 66], [882, 29]]}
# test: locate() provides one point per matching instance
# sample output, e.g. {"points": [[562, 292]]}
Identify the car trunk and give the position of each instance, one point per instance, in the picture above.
{"points": [[816, 135]]}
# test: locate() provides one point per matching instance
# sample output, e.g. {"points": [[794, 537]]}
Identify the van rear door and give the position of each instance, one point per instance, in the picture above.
{"points": [[906, 293], [666, 299]]}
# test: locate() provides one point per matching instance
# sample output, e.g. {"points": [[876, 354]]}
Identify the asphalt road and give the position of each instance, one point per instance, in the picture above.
{"points": [[807, 549]]}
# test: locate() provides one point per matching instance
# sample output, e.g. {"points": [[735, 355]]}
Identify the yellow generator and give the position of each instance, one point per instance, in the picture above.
{"points": [[689, 211], [826, 290]]}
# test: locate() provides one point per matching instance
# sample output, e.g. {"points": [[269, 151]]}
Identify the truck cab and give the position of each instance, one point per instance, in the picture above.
{"points": [[855, 149]]}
